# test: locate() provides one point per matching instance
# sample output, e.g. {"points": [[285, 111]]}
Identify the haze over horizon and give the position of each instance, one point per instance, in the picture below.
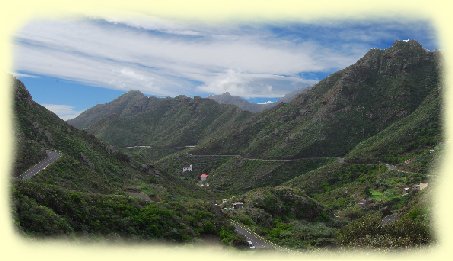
{"points": [[71, 65]]}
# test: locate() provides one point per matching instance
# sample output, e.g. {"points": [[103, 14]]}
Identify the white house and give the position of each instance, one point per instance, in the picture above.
{"points": [[238, 205], [420, 186], [184, 169]]}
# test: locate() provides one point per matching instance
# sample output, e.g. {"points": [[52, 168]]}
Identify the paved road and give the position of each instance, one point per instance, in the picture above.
{"points": [[257, 241], [52, 156], [341, 160], [160, 147], [214, 155]]}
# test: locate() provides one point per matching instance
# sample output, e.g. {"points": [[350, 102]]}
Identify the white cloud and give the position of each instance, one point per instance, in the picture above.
{"points": [[114, 56], [254, 85], [23, 75], [268, 102], [65, 112], [147, 22]]}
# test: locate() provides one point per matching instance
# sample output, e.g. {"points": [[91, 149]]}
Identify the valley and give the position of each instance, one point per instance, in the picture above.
{"points": [[347, 163]]}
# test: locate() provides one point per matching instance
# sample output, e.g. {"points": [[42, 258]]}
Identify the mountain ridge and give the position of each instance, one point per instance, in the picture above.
{"points": [[95, 191], [346, 107], [365, 139], [227, 98], [160, 122]]}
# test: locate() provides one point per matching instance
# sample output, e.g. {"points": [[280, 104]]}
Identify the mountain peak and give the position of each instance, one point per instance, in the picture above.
{"points": [[406, 47], [406, 43], [399, 47], [21, 92], [133, 93]]}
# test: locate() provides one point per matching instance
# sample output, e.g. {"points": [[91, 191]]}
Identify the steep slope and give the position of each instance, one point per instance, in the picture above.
{"points": [[290, 96], [162, 123], [227, 98], [369, 197], [341, 110], [93, 190], [366, 191], [406, 138], [87, 164], [92, 165]]}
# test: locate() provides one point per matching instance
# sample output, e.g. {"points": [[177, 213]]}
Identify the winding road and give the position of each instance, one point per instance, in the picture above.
{"points": [[257, 241], [52, 156]]}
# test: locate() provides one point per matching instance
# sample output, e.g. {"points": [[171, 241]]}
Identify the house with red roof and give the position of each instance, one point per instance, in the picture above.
{"points": [[203, 180]]}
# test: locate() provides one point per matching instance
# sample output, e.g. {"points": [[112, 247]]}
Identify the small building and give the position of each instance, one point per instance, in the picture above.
{"points": [[203, 180], [238, 205], [184, 169], [363, 203], [204, 177], [420, 186], [224, 201], [406, 190], [423, 185]]}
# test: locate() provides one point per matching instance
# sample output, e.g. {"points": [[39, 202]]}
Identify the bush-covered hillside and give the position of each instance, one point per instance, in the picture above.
{"points": [[165, 124], [94, 190], [414, 134], [48, 210], [347, 163], [340, 111]]}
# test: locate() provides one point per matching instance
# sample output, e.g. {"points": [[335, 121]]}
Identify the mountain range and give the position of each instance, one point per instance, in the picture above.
{"points": [[347, 107], [166, 124], [227, 98], [243, 104], [94, 190], [332, 167]]}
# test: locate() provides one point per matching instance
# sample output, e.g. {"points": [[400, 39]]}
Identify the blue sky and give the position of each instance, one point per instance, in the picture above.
{"points": [[73, 64]]}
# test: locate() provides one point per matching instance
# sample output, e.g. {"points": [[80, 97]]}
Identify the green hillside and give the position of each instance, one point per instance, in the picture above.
{"points": [[87, 164], [340, 111], [165, 124], [414, 134], [286, 216], [96, 191], [347, 163]]}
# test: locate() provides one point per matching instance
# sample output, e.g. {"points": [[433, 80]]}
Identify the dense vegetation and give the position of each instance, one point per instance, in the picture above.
{"points": [[286, 216], [165, 124], [361, 144], [405, 138], [94, 190], [49, 210], [412, 228], [336, 114], [230, 175]]}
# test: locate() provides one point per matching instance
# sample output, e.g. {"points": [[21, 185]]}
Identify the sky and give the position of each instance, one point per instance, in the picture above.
{"points": [[70, 65]]}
